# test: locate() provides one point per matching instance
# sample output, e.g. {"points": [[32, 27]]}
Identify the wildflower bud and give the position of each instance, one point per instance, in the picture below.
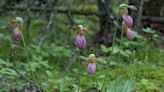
{"points": [[16, 34], [80, 39], [92, 64], [128, 20], [80, 42], [130, 34]]}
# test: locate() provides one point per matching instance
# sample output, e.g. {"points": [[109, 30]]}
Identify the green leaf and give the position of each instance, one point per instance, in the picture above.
{"points": [[49, 73], [2, 62], [148, 30], [8, 71], [104, 49], [115, 49], [125, 53], [121, 84], [123, 5], [102, 60], [112, 63]]}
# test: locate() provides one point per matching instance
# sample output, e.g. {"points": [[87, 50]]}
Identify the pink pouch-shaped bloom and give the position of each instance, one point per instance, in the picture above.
{"points": [[91, 68], [128, 20], [16, 34], [80, 42]]}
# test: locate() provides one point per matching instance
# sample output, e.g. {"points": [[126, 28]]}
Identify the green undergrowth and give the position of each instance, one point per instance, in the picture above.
{"points": [[135, 66]]}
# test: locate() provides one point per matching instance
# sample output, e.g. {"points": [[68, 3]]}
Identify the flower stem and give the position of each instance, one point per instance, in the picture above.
{"points": [[122, 32], [28, 59], [79, 70], [93, 80], [113, 42]]}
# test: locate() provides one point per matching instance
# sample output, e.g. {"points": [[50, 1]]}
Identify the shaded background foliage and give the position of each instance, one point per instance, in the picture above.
{"points": [[135, 65]]}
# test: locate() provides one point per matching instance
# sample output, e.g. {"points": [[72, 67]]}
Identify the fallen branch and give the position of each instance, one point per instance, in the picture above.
{"points": [[153, 19], [78, 12]]}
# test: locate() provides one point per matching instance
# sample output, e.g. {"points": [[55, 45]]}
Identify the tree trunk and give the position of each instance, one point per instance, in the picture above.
{"points": [[105, 35], [137, 14]]}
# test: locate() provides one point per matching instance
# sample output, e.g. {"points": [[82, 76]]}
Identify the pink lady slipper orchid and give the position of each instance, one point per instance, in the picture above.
{"points": [[91, 69], [17, 34], [80, 39], [128, 20], [80, 42], [17, 31], [130, 34]]}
